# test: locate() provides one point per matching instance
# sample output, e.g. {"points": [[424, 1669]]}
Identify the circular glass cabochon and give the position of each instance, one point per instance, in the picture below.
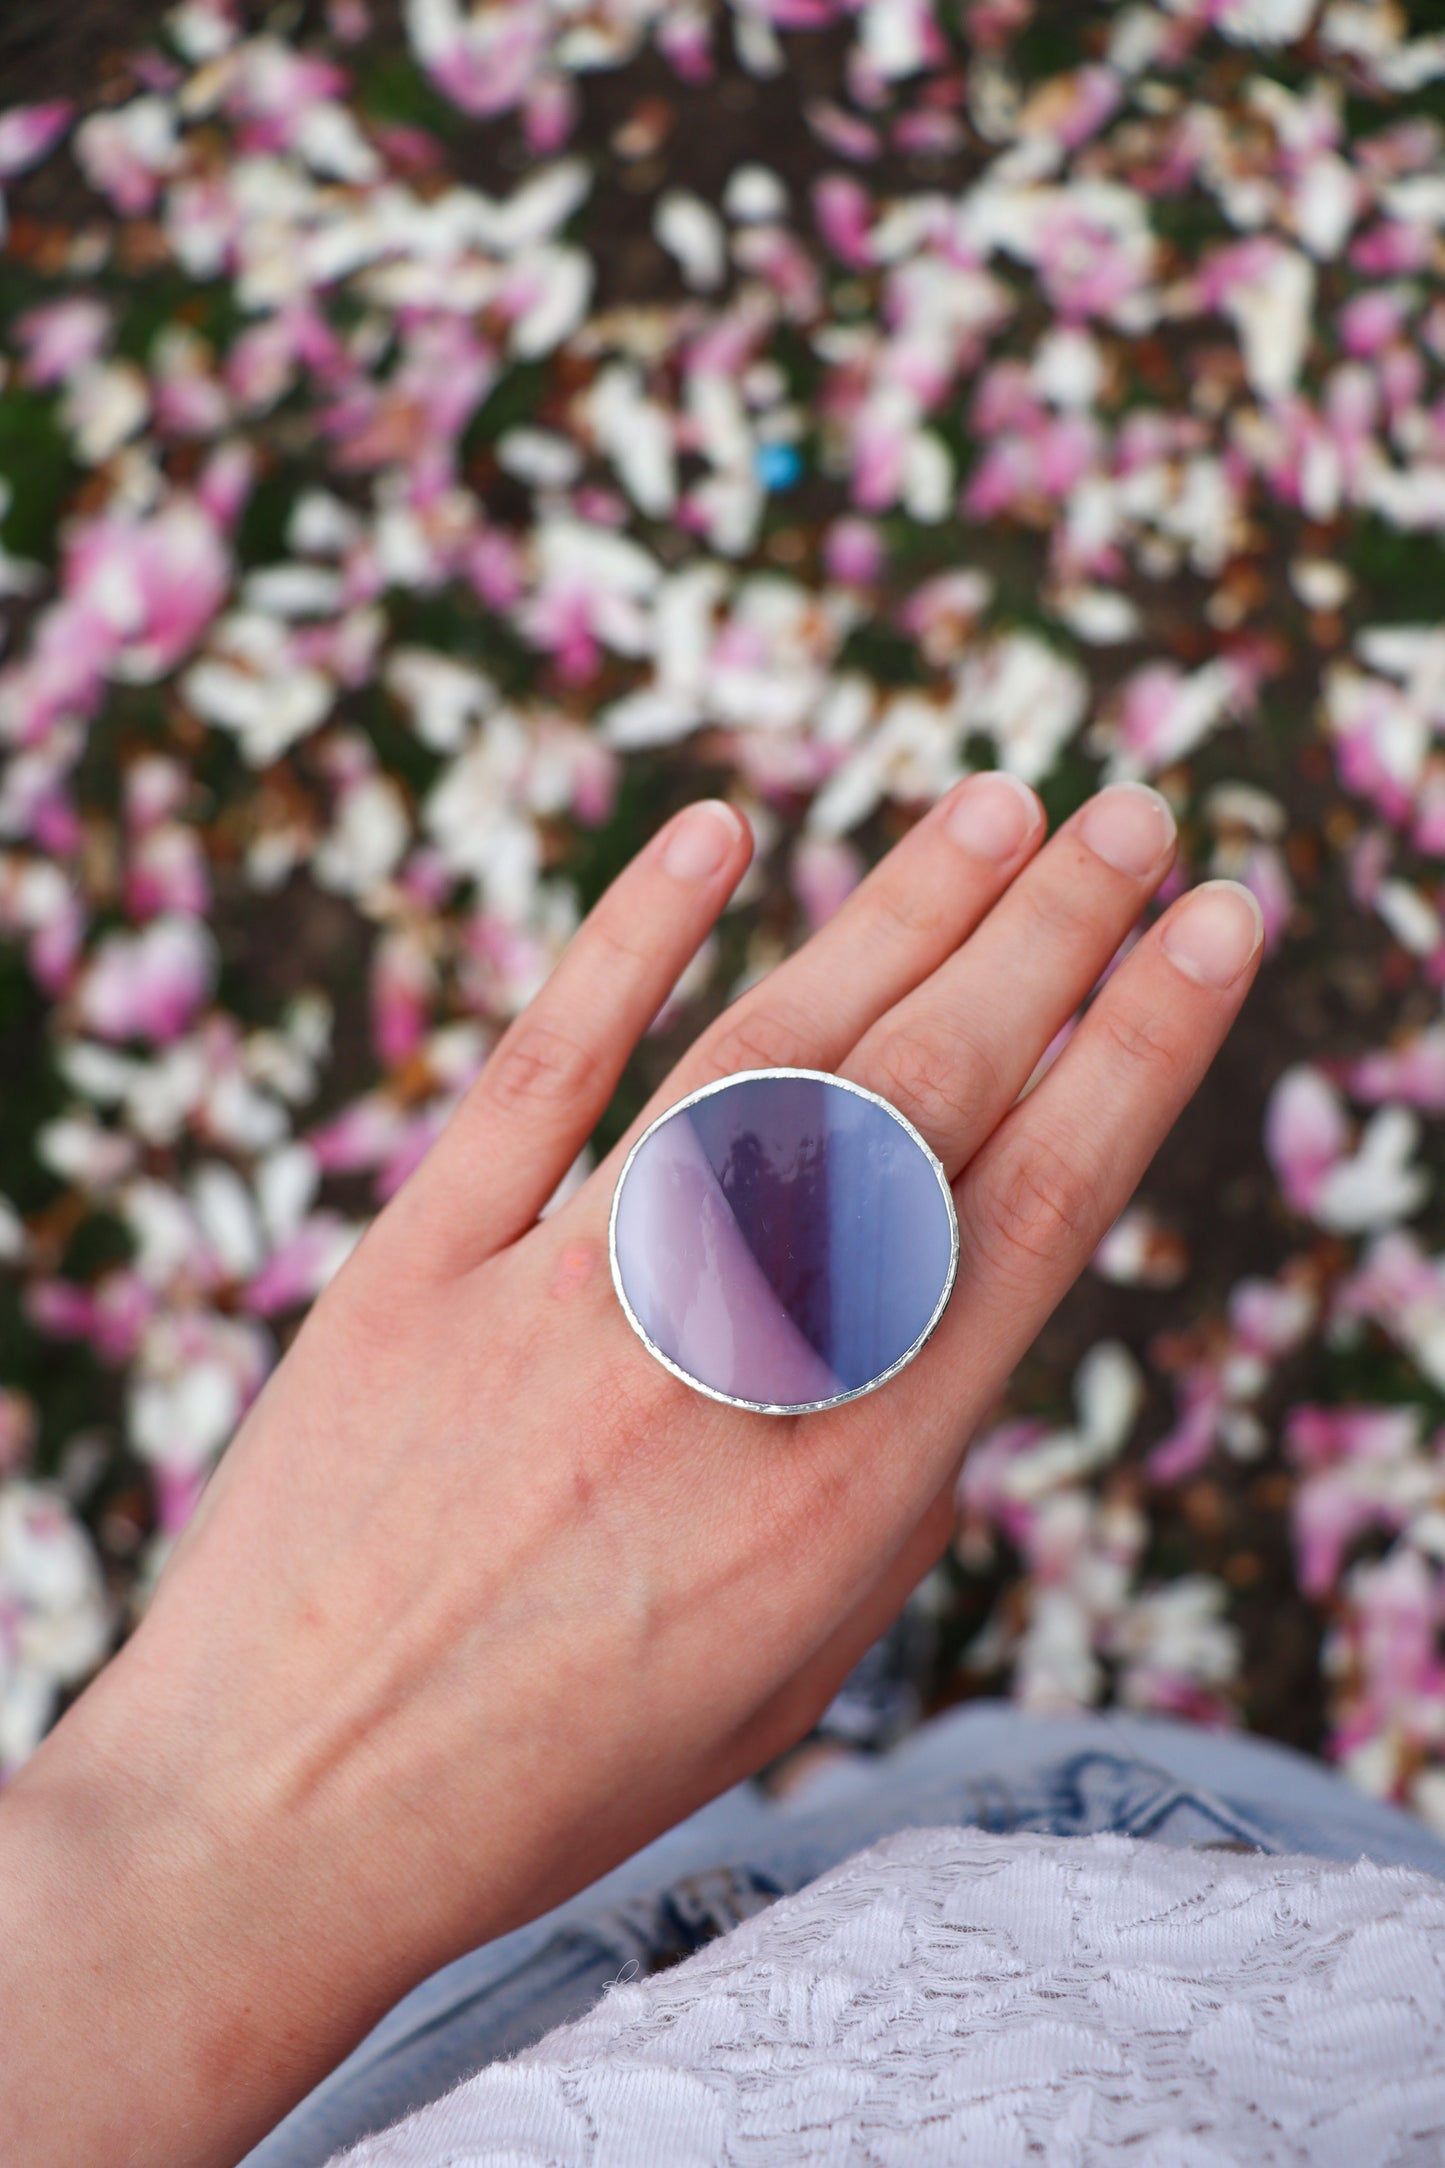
{"points": [[783, 1240]]}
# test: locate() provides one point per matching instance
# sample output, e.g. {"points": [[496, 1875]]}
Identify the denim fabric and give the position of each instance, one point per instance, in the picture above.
{"points": [[986, 1766]]}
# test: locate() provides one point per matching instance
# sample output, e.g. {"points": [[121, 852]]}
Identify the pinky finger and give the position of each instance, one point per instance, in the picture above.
{"points": [[548, 1081], [1037, 1200]]}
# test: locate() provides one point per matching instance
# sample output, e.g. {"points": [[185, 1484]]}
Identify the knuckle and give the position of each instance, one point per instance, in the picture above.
{"points": [[911, 915], [1035, 1210], [935, 1077], [921, 1079], [753, 1038], [610, 942], [1057, 906], [536, 1065], [1137, 1036]]}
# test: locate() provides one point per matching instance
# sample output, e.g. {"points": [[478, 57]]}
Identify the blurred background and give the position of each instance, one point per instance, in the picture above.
{"points": [[436, 441]]}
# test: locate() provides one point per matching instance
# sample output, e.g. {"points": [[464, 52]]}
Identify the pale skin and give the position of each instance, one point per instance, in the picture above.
{"points": [[482, 1598]]}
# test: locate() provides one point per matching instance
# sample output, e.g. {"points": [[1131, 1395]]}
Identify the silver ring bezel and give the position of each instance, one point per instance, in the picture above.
{"points": [[804, 1407]]}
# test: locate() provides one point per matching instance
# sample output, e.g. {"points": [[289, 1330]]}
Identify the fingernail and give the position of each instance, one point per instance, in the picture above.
{"points": [[993, 816], [1215, 932], [702, 840], [1130, 827]]}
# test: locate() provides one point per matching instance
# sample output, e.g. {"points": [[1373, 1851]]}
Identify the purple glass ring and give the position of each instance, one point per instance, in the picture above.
{"points": [[783, 1240]]}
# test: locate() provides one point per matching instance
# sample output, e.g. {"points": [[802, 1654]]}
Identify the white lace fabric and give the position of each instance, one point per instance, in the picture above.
{"points": [[1011, 2002]]}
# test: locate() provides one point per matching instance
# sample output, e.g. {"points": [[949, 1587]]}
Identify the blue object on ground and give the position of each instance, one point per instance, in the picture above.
{"points": [[779, 466]]}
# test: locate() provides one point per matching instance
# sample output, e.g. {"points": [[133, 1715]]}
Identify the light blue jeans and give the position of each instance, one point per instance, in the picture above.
{"points": [[986, 1765]]}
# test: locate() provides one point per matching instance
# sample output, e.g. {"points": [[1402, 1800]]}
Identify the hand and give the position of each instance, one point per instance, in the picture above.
{"points": [[482, 1598]]}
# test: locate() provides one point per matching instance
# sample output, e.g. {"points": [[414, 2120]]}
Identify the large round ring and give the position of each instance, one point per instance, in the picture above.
{"points": [[783, 1240]]}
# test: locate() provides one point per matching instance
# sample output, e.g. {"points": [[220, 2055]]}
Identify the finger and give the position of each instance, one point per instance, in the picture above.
{"points": [[1041, 1194], [919, 902], [550, 1076], [956, 1053]]}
